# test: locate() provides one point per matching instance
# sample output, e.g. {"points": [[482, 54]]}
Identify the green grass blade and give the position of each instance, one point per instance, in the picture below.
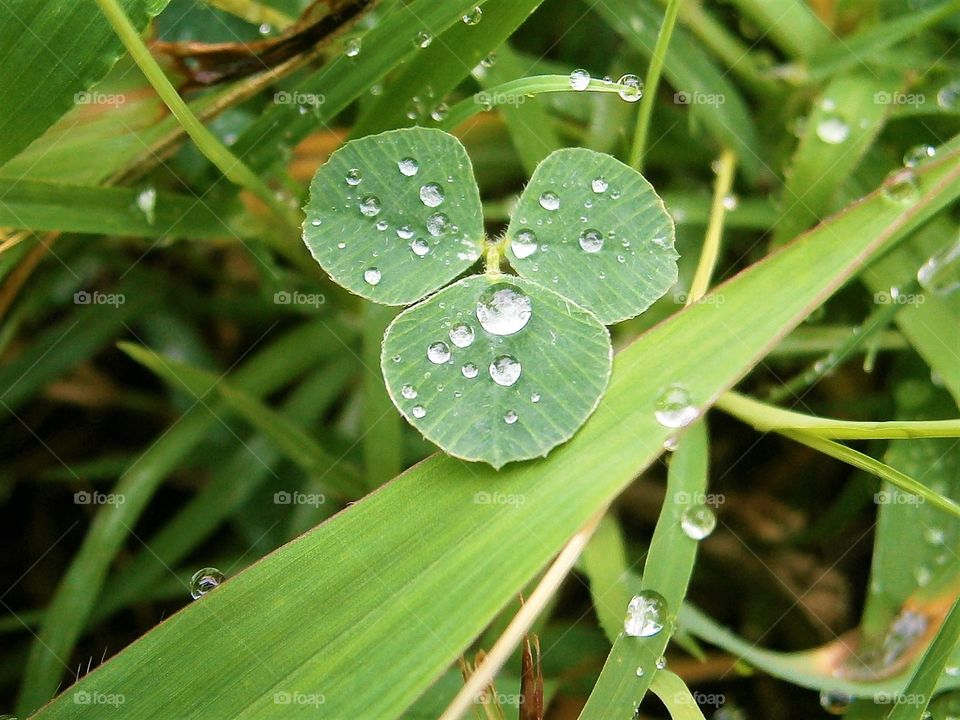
{"points": [[380, 601], [675, 694]]}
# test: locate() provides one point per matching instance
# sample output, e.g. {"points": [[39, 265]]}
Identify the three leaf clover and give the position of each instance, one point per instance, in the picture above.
{"points": [[494, 367]]}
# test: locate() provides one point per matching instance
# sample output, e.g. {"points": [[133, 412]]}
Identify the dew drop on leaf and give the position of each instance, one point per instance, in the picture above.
{"points": [[470, 371], [371, 276], [674, 408], [579, 79], [599, 185], [646, 614], [591, 240], [422, 39], [549, 200], [461, 335], [409, 392], [835, 702], [437, 224], [370, 206], [901, 186], [524, 244], [431, 195], [418, 411], [535, 397], [204, 580], [697, 522], [420, 247], [505, 370], [503, 309], [948, 97], [941, 273], [404, 232], [408, 166], [353, 47], [438, 353], [917, 154], [833, 130], [354, 176], [473, 17], [510, 418], [633, 89]]}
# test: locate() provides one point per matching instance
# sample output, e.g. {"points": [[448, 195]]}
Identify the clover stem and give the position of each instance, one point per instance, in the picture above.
{"points": [[711, 242], [492, 258]]}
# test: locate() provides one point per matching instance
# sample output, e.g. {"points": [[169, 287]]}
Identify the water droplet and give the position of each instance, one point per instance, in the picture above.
{"points": [[922, 575], [473, 17], [382, 225], [461, 335], [489, 61], [511, 417], [341, 245], [524, 244], [505, 370], [353, 47], [431, 195], [833, 130], [599, 185], [371, 276], [591, 240], [949, 95], [396, 358], [835, 702], [941, 273], [730, 202], [470, 371], [439, 112], [901, 186], [408, 166], [633, 89], [147, 203], [422, 39], [549, 200], [579, 79], [671, 443], [646, 614], [204, 580], [917, 154], [952, 670], [404, 232], [420, 247], [535, 397], [370, 206], [674, 408], [661, 663], [418, 411], [697, 522], [639, 671], [503, 309], [408, 392], [438, 353], [354, 176], [437, 224], [934, 535]]}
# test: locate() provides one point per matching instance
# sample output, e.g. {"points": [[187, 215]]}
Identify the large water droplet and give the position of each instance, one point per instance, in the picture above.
{"points": [[438, 353], [204, 580], [420, 247], [470, 371], [917, 154], [549, 200], [591, 240], [505, 370], [674, 408], [439, 112], [646, 614], [370, 206], [431, 194], [461, 335], [901, 186], [579, 79], [633, 89], [371, 276], [473, 17], [503, 309], [437, 224], [408, 166], [354, 176], [404, 232], [409, 392], [833, 130], [835, 702], [948, 97], [418, 411], [511, 417], [941, 273], [599, 185], [697, 522], [524, 244]]}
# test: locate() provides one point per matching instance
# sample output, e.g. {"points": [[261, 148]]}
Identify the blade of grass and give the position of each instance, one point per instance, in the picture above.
{"points": [[675, 694]]}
